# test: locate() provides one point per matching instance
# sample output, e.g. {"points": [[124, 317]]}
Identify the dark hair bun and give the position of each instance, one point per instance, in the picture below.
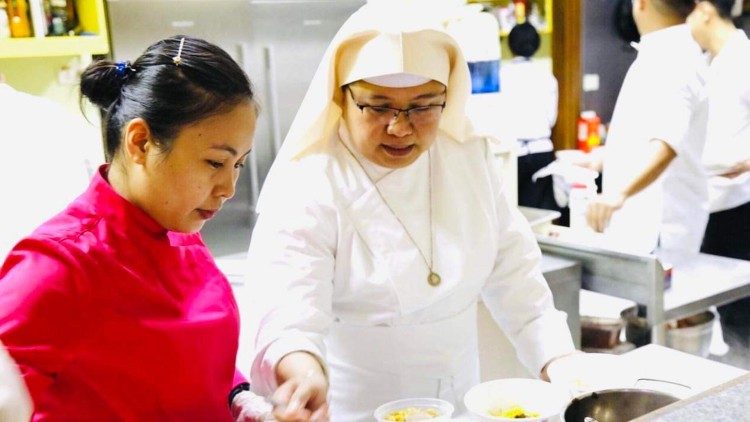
{"points": [[101, 83]]}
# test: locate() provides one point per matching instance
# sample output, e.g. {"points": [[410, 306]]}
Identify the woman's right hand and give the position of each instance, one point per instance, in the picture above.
{"points": [[302, 393]]}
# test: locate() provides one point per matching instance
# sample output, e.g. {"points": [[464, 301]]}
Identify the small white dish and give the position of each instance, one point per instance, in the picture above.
{"points": [[444, 408]]}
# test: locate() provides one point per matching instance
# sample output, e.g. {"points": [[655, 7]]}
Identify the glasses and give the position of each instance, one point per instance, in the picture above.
{"points": [[417, 116]]}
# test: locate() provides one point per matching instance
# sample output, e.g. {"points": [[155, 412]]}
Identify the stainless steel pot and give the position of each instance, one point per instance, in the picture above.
{"points": [[691, 334], [616, 405]]}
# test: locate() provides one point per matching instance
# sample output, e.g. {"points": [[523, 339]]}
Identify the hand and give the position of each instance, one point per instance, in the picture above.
{"points": [[737, 170], [600, 210], [543, 375], [249, 407], [302, 398]]}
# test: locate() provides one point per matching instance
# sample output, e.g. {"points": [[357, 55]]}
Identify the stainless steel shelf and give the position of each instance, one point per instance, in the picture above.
{"points": [[702, 280], [698, 280]]}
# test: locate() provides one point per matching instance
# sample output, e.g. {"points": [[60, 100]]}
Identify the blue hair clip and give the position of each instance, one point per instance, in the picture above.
{"points": [[122, 68]]}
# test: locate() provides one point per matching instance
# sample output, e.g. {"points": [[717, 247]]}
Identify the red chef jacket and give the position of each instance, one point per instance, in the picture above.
{"points": [[111, 317]]}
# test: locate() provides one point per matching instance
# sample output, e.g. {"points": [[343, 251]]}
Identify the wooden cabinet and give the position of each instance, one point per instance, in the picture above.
{"points": [[92, 17]]}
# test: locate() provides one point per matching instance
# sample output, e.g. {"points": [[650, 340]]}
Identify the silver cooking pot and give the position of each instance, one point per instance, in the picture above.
{"points": [[616, 405]]}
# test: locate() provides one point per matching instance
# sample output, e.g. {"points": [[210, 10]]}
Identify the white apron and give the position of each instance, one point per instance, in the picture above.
{"points": [[370, 366]]}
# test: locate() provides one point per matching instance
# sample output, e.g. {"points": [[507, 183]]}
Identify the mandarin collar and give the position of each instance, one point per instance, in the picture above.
{"points": [[118, 210]]}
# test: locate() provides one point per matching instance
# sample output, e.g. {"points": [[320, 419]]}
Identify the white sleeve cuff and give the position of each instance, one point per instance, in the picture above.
{"points": [[263, 371], [542, 340]]}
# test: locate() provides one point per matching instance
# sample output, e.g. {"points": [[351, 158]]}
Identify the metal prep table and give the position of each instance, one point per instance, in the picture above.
{"points": [[698, 280]]}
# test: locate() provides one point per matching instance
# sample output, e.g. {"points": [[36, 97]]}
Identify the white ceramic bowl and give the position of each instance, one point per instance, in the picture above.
{"points": [[532, 395], [582, 373], [446, 409]]}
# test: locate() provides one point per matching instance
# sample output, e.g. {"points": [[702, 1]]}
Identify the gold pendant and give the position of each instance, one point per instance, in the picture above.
{"points": [[433, 279]]}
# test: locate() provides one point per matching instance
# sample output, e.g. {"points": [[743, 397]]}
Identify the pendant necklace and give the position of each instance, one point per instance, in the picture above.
{"points": [[433, 278]]}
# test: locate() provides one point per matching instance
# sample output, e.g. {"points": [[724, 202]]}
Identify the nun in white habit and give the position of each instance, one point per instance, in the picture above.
{"points": [[380, 225]]}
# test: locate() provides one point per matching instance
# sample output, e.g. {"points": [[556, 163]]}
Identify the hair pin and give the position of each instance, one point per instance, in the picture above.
{"points": [[178, 58]]}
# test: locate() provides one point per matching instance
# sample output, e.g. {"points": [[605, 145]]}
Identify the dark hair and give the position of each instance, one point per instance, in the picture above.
{"points": [[166, 95], [679, 8], [523, 40], [624, 23], [724, 7]]}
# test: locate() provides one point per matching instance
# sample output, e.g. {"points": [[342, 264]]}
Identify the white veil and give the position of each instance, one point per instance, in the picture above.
{"points": [[383, 37]]}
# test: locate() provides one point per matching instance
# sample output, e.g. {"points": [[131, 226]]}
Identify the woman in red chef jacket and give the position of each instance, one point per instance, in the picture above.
{"points": [[114, 309]]}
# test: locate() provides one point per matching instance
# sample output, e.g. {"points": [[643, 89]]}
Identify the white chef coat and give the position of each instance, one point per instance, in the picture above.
{"points": [[728, 133], [15, 404], [530, 94], [663, 98], [340, 278], [49, 154]]}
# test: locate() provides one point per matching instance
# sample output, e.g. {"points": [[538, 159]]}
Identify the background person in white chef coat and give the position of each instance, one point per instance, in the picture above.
{"points": [[380, 225], [654, 186], [727, 148], [41, 142], [530, 92]]}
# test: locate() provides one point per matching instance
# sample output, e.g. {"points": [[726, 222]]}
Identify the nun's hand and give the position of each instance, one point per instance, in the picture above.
{"points": [[544, 375], [600, 210], [302, 399]]}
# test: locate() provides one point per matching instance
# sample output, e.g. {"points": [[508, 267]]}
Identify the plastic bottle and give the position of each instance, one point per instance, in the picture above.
{"points": [[594, 138], [583, 134], [580, 196], [520, 11], [18, 12], [588, 131]]}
